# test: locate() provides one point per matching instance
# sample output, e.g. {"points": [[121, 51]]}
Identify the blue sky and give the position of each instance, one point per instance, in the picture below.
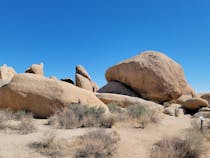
{"points": [[100, 33]]}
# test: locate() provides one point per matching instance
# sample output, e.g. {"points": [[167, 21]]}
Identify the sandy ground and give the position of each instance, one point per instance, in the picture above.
{"points": [[134, 143]]}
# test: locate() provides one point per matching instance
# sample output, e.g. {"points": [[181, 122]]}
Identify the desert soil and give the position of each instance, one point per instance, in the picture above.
{"points": [[134, 142]]}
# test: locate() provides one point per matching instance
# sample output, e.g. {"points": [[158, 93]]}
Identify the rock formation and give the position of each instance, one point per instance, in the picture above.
{"points": [[36, 69], [68, 80], [195, 103], [206, 96], [83, 79], [125, 101], [152, 75], [43, 96], [117, 88], [6, 74]]}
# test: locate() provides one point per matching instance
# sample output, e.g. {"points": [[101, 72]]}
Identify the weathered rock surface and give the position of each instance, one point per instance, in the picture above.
{"points": [[82, 71], [204, 112], [152, 75], [68, 80], [183, 98], [36, 69], [43, 96], [6, 74], [117, 88], [83, 79], [195, 103], [174, 110], [125, 101], [206, 96], [94, 86], [83, 82]]}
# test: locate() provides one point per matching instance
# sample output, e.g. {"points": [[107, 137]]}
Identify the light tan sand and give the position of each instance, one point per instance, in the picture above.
{"points": [[134, 143]]}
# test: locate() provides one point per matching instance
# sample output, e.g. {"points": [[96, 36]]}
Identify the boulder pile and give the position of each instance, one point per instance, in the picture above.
{"points": [[83, 79], [151, 79]]}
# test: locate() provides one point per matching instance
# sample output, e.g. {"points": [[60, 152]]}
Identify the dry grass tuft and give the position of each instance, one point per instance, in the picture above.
{"points": [[48, 146], [97, 144], [191, 146], [77, 116], [142, 115], [24, 127]]}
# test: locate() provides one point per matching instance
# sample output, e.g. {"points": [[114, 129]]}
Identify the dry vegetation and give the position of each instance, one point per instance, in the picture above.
{"points": [[48, 145], [190, 146], [25, 121], [97, 144], [80, 116], [142, 115]]}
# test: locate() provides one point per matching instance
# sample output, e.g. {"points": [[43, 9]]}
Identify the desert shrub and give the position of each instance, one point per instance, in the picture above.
{"points": [[65, 119], [142, 115], [97, 144], [191, 146], [4, 117], [77, 116], [47, 145], [106, 121], [21, 114], [25, 126], [114, 108]]}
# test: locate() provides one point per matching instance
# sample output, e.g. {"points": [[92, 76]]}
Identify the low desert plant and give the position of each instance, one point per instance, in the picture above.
{"points": [[114, 108], [106, 121], [25, 126], [97, 144], [77, 116], [191, 146], [4, 117], [47, 145], [142, 115], [21, 114]]}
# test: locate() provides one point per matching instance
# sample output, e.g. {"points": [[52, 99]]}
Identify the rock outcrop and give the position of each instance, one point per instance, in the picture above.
{"points": [[195, 103], [36, 69], [152, 75], [6, 74], [206, 96], [125, 101], [204, 112], [43, 96], [174, 110], [68, 80], [83, 79], [183, 98], [117, 88]]}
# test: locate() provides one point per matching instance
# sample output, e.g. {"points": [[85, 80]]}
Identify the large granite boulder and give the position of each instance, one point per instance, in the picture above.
{"points": [[206, 96], [195, 103], [152, 75], [43, 96]]}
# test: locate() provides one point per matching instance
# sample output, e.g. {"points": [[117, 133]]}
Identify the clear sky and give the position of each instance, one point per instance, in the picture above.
{"points": [[101, 33]]}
